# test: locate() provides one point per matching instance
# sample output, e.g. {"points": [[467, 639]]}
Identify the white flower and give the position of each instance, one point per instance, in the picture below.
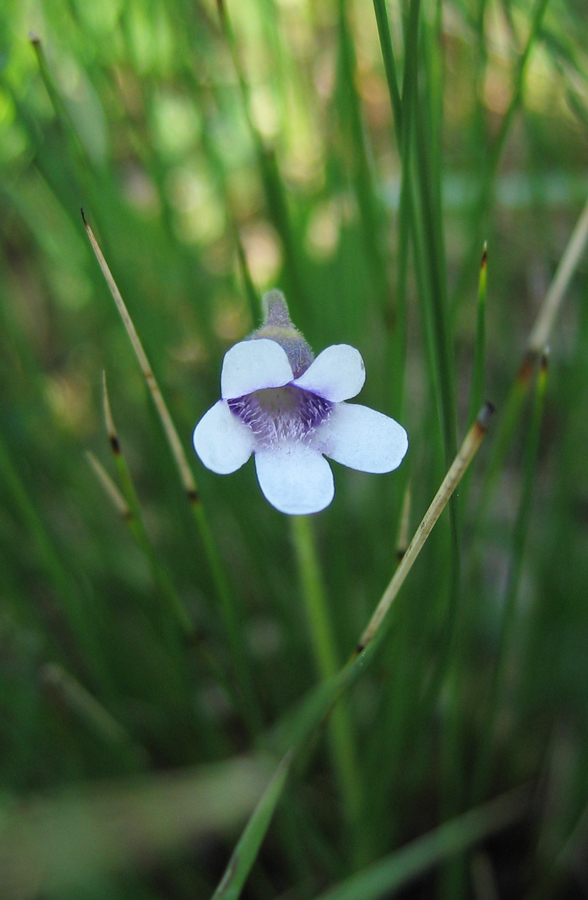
{"points": [[290, 411]]}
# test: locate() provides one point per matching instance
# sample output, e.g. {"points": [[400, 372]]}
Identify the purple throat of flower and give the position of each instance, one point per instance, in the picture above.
{"points": [[279, 415]]}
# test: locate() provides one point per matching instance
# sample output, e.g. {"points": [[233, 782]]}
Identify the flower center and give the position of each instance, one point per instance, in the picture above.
{"points": [[281, 414]]}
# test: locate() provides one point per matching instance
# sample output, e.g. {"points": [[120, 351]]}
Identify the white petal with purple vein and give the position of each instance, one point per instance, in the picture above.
{"points": [[251, 365], [222, 441], [295, 478], [338, 373], [361, 438]]}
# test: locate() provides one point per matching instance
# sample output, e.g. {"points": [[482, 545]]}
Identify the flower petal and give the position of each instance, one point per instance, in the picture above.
{"points": [[251, 365], [222, 441], [337, 373], [295, 478], [361, 438]]}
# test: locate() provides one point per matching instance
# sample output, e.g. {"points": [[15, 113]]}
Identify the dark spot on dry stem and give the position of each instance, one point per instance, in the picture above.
{"points": [[527, 366]]}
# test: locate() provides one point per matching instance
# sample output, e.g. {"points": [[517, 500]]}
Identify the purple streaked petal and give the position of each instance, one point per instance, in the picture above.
{"points": [[281, 415], [338, 373], [361, 438], [252, 365], [222, 441], [295, 478]]}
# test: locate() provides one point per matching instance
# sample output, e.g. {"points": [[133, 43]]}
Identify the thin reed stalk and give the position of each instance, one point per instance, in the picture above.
{"points": [[454, 475], [230, 615]]}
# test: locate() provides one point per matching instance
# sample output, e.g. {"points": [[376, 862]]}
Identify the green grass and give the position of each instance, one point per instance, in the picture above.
{"points": [[183, 713]]}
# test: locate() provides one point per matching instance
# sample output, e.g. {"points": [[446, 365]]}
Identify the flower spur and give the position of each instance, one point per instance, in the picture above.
{"points": [[288, 409]]}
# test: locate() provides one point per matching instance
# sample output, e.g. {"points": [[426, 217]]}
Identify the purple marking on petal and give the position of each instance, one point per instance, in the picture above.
{"points": [[281, 414]]}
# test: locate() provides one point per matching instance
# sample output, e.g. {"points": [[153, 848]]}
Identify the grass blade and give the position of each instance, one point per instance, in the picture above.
{"points": [[110, 488], [454, 475], [541, 331], [381, 11], [84, 706], [415, 859], [245, 853], [76, 613], [485, 195], [506, 629], [539, 337], [477, 389], [435, 267], [169, 428], [372, 224], [226, 600], [275, 194], [173, 602], [81, 164]]}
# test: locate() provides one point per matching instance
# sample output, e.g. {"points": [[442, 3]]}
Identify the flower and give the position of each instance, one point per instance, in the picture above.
{"points": [[289, 409]]}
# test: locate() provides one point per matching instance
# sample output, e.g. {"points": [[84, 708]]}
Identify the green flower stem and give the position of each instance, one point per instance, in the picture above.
{"points": [[321, 633]]}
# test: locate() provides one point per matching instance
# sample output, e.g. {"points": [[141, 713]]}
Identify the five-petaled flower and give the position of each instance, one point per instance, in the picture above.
{"points": [[289, 409]]}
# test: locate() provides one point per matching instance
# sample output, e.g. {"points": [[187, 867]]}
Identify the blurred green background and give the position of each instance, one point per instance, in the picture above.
{"points": [[356, 156]]}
